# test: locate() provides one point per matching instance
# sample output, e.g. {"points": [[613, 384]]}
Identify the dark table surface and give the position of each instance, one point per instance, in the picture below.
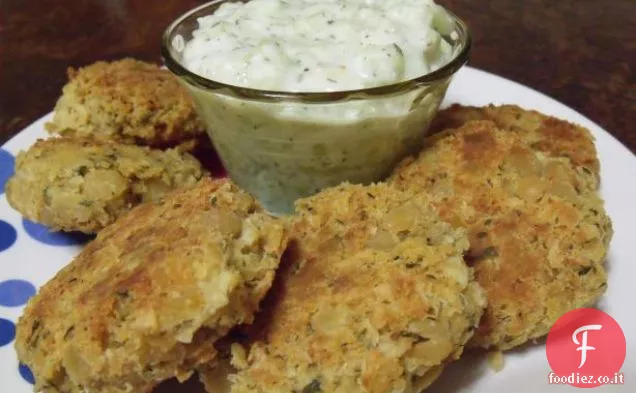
{"points": [[581, 52]]}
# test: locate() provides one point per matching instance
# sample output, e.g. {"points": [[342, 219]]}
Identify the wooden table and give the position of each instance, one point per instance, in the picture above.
{"points": [[581, 52]]}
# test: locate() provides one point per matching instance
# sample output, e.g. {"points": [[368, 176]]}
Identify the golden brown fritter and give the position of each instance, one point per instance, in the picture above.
{"points": [[84, 185], [376, 298], [538, 232], [148, 298], [128, 101], [549, 135]]}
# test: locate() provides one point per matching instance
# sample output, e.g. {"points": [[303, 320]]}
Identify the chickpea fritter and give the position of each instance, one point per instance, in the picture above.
{"points": [[375, 298], [546, 134], [149, 297], [85, 185], [538, 229], [126, 101]]}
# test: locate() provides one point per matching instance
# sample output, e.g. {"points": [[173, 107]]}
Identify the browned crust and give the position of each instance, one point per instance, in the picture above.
{"points": [[537, 228], [129, 101], [550, 135], [376, 298], [85, 185], [147, 299]]}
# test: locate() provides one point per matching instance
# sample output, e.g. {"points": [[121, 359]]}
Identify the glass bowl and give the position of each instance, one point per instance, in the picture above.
{"points": [[281, 146]]}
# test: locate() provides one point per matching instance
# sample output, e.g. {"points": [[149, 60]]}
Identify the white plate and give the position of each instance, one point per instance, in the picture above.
{"points": [[33, 261]]}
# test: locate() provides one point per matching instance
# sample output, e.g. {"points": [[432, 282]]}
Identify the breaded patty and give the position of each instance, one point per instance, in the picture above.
{"points": [[84, 185], [376, 298], [129, 101], [148, 298], [546, 134], [538, 232]]}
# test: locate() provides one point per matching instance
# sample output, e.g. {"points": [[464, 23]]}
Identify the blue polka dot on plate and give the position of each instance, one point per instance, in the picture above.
{"points": [[7, 332], [14, 293], [7, 164], [26, 373], [46, 236], [8, 235]]}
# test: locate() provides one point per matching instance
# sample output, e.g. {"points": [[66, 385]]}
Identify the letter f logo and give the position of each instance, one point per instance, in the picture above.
{"points": [[583, 344]]}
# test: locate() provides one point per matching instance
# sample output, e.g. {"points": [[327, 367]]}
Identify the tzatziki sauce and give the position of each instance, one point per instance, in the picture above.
{"points": [[319, 45], [283, 149]]}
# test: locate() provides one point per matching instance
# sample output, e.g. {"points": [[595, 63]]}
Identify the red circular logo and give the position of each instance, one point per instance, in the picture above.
{"points": [[586, 348]]}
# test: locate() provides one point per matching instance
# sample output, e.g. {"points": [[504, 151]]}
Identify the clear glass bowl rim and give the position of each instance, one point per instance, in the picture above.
{"points": [[446, 71]]}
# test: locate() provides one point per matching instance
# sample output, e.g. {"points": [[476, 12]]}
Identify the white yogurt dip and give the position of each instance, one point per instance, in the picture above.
{"points": [[280, 151], [319, 45]]}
